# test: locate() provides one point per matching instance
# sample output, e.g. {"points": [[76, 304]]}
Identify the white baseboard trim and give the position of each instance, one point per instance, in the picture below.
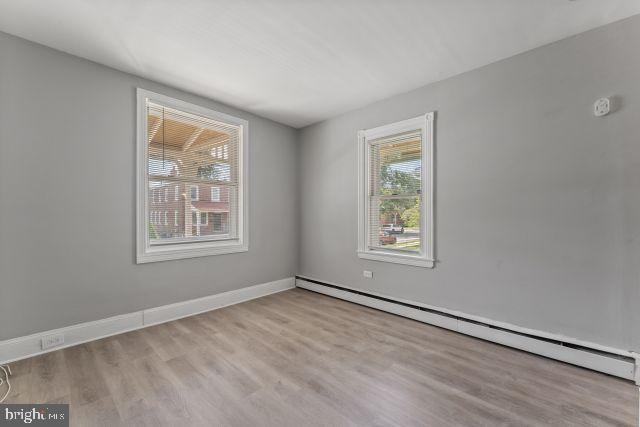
{"points": [[23, 347], [166, 313], [596, 360]]}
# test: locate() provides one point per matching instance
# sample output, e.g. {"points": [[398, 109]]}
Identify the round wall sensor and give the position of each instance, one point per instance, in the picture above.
{"points": [[601, 107]]}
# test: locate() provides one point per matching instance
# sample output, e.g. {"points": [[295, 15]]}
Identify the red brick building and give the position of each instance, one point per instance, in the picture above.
{"points": [[185, 210]]}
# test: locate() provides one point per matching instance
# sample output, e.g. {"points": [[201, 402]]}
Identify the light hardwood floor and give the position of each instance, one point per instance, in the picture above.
{"points": [[299, 358]]}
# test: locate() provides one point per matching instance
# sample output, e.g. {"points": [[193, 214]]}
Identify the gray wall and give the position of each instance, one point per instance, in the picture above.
{"points": [[538, 201], [67, 163]]}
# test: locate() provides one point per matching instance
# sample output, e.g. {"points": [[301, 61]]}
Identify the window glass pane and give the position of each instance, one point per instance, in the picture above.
{"points": [[395, 192], [395, 223], [396, 165], [188, 156]]}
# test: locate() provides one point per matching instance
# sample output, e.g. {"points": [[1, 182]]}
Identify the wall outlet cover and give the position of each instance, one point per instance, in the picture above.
{"points": [[368, 274]]}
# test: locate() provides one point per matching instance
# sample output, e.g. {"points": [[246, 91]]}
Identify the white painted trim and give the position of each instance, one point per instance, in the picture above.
{"points": [[396, 258], [30, 345], [497, 323], [598, 362], [426, 257], [144, 251], [401, 310], [182, 309]]}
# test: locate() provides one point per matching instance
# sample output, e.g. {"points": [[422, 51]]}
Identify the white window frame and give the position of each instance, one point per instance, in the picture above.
{"points": [[144, 251], [217, 192], [426, 256]]}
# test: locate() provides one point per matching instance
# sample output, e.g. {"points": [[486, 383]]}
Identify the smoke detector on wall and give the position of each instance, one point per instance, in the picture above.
{"points": [[602, 107]]}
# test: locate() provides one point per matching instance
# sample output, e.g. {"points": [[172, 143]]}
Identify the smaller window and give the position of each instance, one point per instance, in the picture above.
{"points": [[215, 194], [175, 218], [176, 193], [204, 218], [165, 218], [395, 194], [166, 194], [195, 193]]}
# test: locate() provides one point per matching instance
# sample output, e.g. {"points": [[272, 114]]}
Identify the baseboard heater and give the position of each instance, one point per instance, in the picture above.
{"points": [[612, 363]]}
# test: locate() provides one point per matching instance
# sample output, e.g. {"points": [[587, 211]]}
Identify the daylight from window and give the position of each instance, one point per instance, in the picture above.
{"points": [[192, 177], [395, 193]]}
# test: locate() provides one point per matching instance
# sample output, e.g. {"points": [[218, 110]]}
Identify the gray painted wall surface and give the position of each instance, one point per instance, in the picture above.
{"points": [[538, 201], [67, 164]]}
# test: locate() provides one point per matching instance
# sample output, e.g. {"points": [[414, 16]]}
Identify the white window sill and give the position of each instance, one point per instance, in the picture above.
{"points": [[187, 250], [413, 260]]}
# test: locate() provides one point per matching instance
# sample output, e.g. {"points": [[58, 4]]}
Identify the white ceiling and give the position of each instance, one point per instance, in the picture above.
{"points": [[299, 62]]}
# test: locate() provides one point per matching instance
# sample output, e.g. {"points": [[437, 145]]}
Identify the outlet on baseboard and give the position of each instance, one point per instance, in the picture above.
{"points": [[368, 274], [52, 341]]}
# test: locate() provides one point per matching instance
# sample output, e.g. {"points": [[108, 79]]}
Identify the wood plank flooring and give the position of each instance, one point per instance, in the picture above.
{"points": [[299, 358]]}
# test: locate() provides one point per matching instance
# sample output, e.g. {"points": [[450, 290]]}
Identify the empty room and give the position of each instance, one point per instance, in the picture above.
{"points": [[319, 212]]}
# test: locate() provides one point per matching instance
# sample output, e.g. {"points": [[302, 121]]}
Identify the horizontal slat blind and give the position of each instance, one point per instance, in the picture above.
{"points": [[193, 177], [395, 192]]}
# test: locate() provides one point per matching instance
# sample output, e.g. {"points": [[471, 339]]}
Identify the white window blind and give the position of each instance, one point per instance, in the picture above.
{"points": [[187, 153], [395, 207], [395, 188]]}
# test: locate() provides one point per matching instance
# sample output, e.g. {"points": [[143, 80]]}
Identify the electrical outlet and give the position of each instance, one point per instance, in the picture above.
{"points": [[368, 274], [52, 341]]}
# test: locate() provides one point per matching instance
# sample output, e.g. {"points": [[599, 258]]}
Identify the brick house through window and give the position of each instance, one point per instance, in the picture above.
{"points": [[186, 215]]}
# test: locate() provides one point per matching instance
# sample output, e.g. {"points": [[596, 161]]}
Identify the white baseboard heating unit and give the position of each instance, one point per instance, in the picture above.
{"points": [[610, 361]]}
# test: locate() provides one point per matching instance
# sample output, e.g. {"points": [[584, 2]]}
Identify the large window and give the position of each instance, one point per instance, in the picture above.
{"points": [[183, 149], [396, 192]]}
